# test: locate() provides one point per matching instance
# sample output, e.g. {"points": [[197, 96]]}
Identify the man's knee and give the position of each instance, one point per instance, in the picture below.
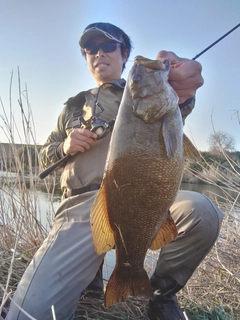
{"points": [[194, 212]]}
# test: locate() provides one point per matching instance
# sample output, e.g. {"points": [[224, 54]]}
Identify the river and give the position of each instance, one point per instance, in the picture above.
{"points": [[45, 205], [206, 189]]}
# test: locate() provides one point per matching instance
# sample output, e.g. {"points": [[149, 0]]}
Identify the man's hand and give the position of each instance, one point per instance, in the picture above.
{"points": [[79, 140], [185, 75]]}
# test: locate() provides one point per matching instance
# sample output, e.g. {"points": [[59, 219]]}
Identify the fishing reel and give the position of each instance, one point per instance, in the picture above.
{"points": [[98, 125], [94, 124], [101, 127]]}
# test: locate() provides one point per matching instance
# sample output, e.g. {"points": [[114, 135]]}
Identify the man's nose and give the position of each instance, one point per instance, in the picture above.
{"points": [[100, 53]]}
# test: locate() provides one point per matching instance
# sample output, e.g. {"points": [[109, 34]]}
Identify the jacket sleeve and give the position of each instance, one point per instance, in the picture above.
{"points": [[52, 150], [187, 107]]}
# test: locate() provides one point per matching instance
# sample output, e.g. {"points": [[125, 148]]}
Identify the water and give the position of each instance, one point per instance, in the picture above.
{"points": [[16, 194], [210, 191], [46, 206], [206, 189]]}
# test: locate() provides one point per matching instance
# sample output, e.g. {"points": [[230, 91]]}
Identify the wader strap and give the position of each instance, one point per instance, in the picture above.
{"points": [[74, 192]]}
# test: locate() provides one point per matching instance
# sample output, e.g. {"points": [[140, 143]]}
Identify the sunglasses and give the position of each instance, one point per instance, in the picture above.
{"points": [[109, 46]]}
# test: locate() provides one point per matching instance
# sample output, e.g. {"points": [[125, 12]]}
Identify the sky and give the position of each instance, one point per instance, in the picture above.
{"points": [[40, 38]]}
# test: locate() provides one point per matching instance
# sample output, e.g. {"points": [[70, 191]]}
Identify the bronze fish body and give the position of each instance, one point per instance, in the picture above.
{"points": [[142, 176]]}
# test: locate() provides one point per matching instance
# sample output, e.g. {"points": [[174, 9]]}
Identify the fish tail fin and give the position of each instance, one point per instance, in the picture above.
{"points": [[119, 288]]}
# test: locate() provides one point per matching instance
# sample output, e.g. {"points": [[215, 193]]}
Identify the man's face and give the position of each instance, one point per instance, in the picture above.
{"points": [[105, 66]]}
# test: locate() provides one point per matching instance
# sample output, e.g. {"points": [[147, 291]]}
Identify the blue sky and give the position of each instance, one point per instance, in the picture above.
{"points": [[41, 38]]}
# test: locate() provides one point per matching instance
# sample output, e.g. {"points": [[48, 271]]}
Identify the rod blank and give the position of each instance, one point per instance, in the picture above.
{"points": [[213, 44]]}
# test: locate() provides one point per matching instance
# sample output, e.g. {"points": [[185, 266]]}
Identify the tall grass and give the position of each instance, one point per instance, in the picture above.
{"points": [[215, 286], [21, 232], [213, 292]]}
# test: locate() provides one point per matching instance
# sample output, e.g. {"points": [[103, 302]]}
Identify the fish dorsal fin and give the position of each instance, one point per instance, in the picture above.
{"points": [[166, 233], [189, 149], [102, 233]]}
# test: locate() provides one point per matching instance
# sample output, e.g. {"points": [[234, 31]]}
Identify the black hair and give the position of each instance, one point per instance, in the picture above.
{"points": [[116, 32]]}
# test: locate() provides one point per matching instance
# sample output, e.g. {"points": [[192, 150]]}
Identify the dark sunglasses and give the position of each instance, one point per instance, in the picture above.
{"points": [[109, 46]]}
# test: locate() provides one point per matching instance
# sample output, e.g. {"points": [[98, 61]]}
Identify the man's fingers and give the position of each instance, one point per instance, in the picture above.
{"points": [[185, 70], [171, 56], [79, 140]]}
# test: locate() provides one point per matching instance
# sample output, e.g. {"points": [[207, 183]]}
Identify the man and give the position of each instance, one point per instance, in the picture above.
{"points": [[67, 263]]}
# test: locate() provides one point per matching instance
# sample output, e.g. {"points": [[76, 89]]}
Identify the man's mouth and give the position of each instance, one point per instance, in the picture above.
{"points": [[101, 64]]}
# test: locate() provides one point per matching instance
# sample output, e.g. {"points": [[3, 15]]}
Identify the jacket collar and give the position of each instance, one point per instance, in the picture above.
{"points": [[80, 97]]}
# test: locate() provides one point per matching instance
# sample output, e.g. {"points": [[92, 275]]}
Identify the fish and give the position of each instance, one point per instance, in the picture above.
{"points": [[141, 179]]}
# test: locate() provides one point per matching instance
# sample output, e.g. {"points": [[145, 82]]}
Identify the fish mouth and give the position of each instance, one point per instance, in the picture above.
{"points": [[151, 65], [155, 71]]}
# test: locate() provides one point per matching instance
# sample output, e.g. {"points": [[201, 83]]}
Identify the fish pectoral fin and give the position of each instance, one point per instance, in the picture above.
{"points": [[171, 137], [166, 233], [190, 151], [102, 233]]}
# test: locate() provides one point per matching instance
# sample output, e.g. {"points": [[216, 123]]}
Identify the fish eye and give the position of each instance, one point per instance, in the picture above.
{"points": [[136, 78]]}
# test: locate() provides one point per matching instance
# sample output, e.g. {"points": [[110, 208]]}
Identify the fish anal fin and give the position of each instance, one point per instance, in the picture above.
{"points": [[166, 233], [102, 234], [190, 151], [119, 288]]}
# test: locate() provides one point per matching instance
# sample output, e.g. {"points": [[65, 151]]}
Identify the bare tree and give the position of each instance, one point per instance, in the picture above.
{"points": [[221, 141]]}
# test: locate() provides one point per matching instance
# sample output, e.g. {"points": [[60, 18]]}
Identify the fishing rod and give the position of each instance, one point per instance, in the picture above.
{"points": [[213, 44], [107, 126]]}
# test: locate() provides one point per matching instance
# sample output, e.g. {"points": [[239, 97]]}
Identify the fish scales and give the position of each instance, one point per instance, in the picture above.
{"points": [[141, 179]]}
